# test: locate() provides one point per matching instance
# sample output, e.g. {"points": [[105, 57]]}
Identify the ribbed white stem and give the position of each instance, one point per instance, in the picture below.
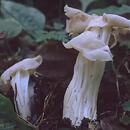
{"points": [[81, 95], [21, 91]]}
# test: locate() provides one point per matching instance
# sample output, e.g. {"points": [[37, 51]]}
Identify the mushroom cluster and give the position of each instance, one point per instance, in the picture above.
{"points": [[18, 76], [92, 38]]}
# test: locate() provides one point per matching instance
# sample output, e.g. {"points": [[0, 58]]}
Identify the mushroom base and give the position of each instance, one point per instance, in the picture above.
{"points": [[80, 99]]}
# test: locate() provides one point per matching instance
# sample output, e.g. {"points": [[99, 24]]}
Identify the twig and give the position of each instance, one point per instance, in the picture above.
{"points": [[126, 66], [117, 82], [41, 117], [118, 88]]}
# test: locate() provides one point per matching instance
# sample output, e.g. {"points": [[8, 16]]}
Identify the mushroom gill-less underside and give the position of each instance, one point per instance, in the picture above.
{"points": [[81, 95]]}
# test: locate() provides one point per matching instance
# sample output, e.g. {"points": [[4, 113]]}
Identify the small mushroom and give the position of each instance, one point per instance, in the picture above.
{"points": [[18, 76], [92, 42]]}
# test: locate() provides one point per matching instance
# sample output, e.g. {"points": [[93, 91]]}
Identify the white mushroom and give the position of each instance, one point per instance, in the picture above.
{"points": [[18, 76], [80, 99]]}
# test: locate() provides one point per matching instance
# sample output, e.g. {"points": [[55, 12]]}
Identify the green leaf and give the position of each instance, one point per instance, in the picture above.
{"points": [[122, 1], [10, 27], [126, 106], [112, 9], [125, 120], [85, 4], [31, 19], [6, 108], [7, 114], [58, 26], [8, 117], [55, 35], [5, 125]]}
